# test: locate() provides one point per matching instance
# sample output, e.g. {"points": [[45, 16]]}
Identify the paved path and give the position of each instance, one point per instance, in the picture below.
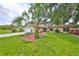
{"points": [[11, 34]]}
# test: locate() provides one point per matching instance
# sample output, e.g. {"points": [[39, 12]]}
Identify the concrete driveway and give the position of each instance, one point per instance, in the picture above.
{"points": [[11, 34]]}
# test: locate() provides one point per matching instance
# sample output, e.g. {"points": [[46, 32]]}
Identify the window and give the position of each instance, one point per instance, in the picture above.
{"points": [[66, 29]]}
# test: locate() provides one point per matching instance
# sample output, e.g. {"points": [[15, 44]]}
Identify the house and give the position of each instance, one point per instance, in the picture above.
{"points": [[48, 27], [63, 28], [29, 28]]}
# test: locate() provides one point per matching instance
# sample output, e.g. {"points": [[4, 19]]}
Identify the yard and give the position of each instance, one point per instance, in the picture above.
{"points": [[5, 31], [53, 44]]}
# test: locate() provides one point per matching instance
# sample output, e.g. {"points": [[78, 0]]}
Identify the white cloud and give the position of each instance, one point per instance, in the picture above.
{"points": [[15, 10], [15, 7]]}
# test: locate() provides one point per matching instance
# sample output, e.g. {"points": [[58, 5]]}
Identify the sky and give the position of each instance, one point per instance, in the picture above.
{"points": [[9, 11]]}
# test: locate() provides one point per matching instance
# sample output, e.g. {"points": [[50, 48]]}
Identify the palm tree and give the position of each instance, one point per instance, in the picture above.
{"points": [[18, 21], [62, 13], [77, 14], [57, 13], [26, 17], [37, 13]]}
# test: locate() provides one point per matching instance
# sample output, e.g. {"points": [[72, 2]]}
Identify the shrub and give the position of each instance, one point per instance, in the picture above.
{"points": [[57, 31], [19, 30], [76, 26]]}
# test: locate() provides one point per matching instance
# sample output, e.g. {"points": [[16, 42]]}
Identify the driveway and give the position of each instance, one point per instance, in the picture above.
{"points": [[11, 34]]}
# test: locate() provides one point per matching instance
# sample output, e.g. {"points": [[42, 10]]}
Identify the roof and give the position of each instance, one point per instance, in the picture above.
{"points": [[63, 26]]}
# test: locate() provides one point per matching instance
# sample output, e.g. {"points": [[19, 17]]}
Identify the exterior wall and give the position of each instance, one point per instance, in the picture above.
{"points": [[48, 29], [41, 29], [29, 29], [71, 28], [61, 29]]}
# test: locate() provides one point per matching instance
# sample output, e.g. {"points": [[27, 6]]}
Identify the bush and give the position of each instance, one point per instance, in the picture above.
{"points": [[57, 31], [19, 30], [13, 30], [76, 26]]}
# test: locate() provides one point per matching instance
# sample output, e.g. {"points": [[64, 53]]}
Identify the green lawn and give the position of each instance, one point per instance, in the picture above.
{"points": [[53, 44], [5, 31]]}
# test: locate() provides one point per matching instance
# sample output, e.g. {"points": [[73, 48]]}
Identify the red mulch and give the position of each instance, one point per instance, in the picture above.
{"points": [[76, 32], [31, 37]]}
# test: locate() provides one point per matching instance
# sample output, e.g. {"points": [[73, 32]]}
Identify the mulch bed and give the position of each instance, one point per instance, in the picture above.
{"points": [[76, 32], [31, 37]]}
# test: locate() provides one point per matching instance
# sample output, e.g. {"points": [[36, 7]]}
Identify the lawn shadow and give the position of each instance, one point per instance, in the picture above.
{"points": [[74, 40], [69, 37]]}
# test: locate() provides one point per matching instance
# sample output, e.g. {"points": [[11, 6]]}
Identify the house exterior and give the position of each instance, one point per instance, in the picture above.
{"points": [[28, 28], [75, 31], [63, 28], [48, 27]]}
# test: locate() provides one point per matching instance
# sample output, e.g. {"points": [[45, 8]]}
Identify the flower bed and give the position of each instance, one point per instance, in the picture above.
{"points": [[75, 31], [31, 37]]}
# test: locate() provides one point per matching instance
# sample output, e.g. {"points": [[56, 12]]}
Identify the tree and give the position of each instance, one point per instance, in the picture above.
{"points": [[36, 11], [77, 15], [62, 13], [57, 13], [40, 11], [25, 15], [18, 21]]}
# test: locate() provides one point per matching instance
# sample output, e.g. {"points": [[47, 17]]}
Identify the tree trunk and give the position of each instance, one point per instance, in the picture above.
{"points": [[37, 30]]}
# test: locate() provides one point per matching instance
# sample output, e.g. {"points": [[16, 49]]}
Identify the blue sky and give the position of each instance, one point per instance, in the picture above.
{"points": [[11, 10]]}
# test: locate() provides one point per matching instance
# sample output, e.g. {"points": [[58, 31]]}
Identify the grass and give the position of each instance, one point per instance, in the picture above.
{"points": [[53, 44], [5, 31]]}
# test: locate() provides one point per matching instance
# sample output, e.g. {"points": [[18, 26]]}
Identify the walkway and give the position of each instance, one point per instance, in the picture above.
{"points": [[11, 34]]}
